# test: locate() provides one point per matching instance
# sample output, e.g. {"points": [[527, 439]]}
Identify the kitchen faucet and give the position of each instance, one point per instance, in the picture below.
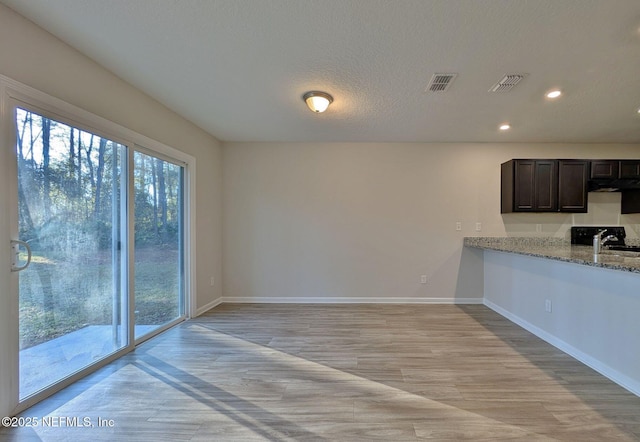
{"points": [[599, 241]]}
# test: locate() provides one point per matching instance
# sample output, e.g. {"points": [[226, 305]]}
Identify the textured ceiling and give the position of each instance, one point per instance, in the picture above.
{"points": [[238, 68]]}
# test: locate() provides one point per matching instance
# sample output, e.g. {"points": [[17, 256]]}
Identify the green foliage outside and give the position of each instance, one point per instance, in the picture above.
{"points": [[84, 297]]}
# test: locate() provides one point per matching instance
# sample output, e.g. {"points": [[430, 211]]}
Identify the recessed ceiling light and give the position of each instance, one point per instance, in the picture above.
{"points": [[505, 126], [554, 93]]}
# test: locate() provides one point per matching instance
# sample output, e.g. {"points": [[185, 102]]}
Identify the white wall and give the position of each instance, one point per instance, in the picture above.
{"points": [[335, 221], [35, 58], [594, 311]]}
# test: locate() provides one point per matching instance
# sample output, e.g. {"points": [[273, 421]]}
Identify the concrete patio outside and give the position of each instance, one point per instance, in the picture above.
{"points": [[46, 363]]}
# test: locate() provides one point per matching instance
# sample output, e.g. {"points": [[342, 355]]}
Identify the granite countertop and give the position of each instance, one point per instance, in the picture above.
{"points": [[560, 250]]}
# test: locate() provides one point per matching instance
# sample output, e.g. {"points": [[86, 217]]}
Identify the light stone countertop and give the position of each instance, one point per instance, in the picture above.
{"points": [[558, 249]]}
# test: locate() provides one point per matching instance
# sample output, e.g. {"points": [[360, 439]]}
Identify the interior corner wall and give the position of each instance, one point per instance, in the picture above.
{"points": [[34, 57], [350, 222]]}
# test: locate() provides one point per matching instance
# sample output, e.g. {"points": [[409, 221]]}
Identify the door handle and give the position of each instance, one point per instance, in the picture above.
{"points": [[15, 253]]}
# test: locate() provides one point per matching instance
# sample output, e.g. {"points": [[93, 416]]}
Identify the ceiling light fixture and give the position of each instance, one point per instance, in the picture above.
{"points": [[317, 101], [505, 126], [554, 93]]}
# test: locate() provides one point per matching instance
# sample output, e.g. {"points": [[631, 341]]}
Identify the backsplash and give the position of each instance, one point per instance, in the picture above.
{"points": [[604, 210]]}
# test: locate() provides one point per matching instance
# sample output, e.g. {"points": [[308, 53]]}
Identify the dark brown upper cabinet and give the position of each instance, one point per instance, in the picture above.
{"points": [[572, 185], [630, 201], [536, 185], [529, 186], [604, 169], [629, 169]]}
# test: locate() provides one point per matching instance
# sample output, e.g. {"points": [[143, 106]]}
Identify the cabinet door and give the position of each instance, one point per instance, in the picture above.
{"points": [[630, 201], [546, 186], [524, 183], [572, 185], [535, 186], [630, 169], [604, 169]]}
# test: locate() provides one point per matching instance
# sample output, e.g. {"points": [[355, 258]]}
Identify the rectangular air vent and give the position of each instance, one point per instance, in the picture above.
{"points": [[507, 83], [440, 82]]}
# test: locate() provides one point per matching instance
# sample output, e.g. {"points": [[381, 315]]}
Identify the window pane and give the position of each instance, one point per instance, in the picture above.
{"points": [[158, 243], [71, 298]]}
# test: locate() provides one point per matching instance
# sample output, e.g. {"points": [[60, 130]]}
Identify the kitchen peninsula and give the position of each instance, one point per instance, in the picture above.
{"points": [[587, 306], [559, 249]]}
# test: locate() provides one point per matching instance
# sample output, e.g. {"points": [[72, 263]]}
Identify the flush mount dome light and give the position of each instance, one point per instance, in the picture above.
{"points": [[317, 101], [554, 93], [505, 126]]}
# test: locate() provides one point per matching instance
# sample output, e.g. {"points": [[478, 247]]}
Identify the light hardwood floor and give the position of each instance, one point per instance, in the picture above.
{"points": [[344, 372]]}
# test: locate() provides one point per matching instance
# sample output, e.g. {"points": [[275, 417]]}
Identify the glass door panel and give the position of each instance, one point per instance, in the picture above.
{"points": [[159, 263], [72, 297]]}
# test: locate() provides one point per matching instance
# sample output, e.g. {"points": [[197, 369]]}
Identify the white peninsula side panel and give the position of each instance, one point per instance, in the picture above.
{"points": [[595, 312]]}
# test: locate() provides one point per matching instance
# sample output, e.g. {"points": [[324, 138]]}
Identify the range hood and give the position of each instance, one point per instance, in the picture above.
{"points": [[613, 185]]}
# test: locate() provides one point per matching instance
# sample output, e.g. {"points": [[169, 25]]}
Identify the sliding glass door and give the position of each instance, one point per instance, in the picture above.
{"points": [[98, 247], [159, 254], [71, 209]]}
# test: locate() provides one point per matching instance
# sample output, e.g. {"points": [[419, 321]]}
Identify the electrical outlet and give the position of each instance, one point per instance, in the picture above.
{"points": [[458, 226], [478, 227], [423, 279], [547, 305]]}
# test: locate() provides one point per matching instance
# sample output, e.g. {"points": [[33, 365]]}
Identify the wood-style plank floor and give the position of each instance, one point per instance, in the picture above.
{"points": [[344, 372]]}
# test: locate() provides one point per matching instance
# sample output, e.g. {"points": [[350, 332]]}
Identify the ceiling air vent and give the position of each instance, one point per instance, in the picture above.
{"points": [[441, 82], [507, 83]]}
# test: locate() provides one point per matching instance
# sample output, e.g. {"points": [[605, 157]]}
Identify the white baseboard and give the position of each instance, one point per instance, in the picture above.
{"points": [[623, 380], [346, 300], [208, 307]]}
